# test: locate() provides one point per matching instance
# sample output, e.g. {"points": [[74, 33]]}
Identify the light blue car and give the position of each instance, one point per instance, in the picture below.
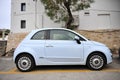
{"points": [[59, 46]]}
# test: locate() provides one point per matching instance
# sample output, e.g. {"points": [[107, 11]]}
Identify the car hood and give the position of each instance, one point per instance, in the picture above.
{"points": [[96, 43]]}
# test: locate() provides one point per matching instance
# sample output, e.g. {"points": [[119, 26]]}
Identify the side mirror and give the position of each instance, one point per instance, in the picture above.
{"points": [[77, 39]]}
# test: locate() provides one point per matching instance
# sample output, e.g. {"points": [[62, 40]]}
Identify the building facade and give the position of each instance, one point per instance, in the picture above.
{"points": [[103, 14], [27, 15]]}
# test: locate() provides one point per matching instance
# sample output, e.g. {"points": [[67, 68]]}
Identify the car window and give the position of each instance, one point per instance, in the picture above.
{"points": [[61, 35], [39, 35]]}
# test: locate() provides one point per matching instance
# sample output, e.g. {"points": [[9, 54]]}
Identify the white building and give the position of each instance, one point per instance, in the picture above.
{"points": [[27, 15], [103, 14]]}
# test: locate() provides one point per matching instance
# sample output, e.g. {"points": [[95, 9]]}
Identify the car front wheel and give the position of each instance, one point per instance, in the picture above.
{"points": [[25, 63], [96, 61]]}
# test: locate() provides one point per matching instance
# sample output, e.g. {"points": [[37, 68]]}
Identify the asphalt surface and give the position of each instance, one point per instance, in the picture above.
{"points": [[8, 71]]}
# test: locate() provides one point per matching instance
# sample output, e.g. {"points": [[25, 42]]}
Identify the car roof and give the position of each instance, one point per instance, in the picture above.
{"points": [[51, 29]]}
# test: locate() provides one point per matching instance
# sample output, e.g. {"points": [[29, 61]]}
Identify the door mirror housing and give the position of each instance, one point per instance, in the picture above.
{"points": [[77, 39]]}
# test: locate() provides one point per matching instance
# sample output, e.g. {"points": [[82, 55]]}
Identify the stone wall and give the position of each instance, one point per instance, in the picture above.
{"points": [[3, 45], [109, 37], [14, 39]]}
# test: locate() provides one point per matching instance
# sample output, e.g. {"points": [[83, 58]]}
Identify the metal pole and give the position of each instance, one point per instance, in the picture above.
{"points": [[35, 14], [42, 20]]}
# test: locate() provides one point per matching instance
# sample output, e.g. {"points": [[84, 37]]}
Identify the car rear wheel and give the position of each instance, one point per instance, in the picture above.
{"points": [[25, 63], [96, 61]]}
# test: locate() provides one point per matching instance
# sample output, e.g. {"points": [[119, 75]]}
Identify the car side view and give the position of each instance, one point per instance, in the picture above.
{"points": [[59, 46]]}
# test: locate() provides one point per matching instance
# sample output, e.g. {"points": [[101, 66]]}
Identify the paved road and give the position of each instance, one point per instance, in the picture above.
{"points": [[63, 76], [8, 71]]}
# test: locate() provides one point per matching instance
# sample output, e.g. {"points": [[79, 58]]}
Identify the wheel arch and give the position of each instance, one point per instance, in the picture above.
{"points": [[25, 53], [98, 53]]}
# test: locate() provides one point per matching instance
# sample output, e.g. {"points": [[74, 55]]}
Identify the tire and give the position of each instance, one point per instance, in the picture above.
{"points": [[96, 61], [25, 63]]}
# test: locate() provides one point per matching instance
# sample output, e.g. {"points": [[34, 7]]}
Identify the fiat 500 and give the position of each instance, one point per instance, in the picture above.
{"points": [[58, 46]]}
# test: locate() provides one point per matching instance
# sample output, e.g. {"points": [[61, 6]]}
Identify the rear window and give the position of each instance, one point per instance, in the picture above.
{"points": [[39, 36]]}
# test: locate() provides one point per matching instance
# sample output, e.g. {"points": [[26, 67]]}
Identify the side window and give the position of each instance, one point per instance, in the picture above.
{"points": [[61, 35], [39, 35]]}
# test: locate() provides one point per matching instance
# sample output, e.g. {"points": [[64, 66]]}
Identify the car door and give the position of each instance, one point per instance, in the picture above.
{"points": [[61, 47], [38, 43]]}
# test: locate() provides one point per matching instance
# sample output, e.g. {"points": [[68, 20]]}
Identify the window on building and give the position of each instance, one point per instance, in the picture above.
{"points": [[23, 6], [86, 13], [23, 24], [104, 14]]}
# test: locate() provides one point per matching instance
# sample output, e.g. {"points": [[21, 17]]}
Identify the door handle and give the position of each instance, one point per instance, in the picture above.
{"points": [[49, 46]]}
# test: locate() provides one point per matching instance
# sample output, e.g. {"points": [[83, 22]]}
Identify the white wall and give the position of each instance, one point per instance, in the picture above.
{"points": [[104, 14], [106, 5], [17, 16], [34, 15]]}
